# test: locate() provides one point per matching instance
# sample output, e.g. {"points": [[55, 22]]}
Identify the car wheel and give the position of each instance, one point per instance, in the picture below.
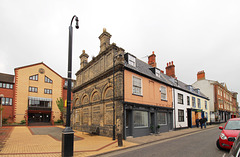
{"points": [[218, 145]]}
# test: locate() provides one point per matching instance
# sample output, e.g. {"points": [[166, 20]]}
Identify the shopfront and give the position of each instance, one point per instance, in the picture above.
{"points": [[142, 120]]}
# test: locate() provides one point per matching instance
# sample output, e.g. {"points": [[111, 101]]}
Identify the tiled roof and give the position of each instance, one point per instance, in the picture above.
{"points": [[144, 69], [7, 78]]}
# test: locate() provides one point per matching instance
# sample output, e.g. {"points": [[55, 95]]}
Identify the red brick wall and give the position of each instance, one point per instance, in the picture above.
{"points": [[8, 111]]}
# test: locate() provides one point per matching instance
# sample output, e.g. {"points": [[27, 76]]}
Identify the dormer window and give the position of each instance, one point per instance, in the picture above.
{"points": [[131, 60], [157, 72]]}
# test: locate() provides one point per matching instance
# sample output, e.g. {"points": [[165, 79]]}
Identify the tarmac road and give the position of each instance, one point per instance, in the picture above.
{"points": [[201, 144]]}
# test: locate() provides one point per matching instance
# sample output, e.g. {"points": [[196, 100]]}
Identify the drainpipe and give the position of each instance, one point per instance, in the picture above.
{"points": [[174, 110]]}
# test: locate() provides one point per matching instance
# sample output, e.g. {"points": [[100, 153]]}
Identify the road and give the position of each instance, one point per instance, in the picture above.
{"points": [[201, 144]]}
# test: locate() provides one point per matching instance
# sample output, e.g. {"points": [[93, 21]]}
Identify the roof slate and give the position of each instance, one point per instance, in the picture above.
{"points": [[7, 78], [144, 69]]}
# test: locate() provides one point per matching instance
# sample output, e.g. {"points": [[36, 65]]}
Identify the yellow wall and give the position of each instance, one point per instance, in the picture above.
{"points": [[202, 105], [22, 88], [151, 94]]}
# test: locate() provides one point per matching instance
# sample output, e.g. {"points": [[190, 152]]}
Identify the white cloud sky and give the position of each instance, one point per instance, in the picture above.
{"points": [[195, 35]]}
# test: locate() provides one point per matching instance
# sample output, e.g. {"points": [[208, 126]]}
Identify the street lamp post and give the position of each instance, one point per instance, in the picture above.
{"points": [[68, 133], [1, 96]]}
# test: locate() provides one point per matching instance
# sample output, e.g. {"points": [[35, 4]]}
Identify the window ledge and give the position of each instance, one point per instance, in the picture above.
{"points": [[137, 95]]}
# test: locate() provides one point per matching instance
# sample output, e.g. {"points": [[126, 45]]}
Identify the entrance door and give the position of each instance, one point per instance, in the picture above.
{"points": [[152, 123], [189, 118], [39, 118], [129, 122]]}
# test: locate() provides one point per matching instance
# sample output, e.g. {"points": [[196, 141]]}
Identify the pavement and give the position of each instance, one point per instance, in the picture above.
{"points": [[44, 141]]}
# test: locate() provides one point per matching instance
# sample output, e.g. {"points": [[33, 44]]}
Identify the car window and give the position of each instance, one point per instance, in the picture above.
{"points": [[233, 125]]}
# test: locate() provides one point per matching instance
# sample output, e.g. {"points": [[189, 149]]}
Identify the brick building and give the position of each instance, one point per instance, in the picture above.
{"points": [[223, 103], [7, 90], [31, 94]]}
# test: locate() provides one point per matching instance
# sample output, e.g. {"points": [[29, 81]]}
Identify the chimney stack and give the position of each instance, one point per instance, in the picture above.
{"points": [[201, 75], [152, 60], [83, 59], [170, 69], [104, 40]]}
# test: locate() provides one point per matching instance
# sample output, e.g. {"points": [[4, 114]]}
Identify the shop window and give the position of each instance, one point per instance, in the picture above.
{"points": [[162, 118], [180, 115], [140, 119]]}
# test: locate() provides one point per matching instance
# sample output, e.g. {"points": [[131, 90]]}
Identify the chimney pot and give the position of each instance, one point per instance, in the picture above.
{"points": [[170, 69], [152, 60], [201, 75]]}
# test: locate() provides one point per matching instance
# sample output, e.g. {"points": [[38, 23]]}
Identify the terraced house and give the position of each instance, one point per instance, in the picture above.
{"points": [[116, 93]]}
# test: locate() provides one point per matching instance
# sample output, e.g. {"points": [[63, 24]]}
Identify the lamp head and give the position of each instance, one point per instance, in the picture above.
{"points": [[77, 26]]}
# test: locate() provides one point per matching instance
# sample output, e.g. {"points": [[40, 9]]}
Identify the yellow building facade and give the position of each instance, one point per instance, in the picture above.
{"points": [[200, 108], [36, 91]]}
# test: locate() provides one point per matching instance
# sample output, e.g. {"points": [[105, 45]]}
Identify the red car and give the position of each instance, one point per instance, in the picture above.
{"points": [[229, 133]]}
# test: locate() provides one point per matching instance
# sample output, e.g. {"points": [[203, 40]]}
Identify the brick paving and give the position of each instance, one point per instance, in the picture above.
{"points": [[22, 142], [4, 134]]}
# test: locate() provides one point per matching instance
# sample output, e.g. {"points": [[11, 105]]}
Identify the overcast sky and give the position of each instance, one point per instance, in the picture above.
{"points": [[195, 34]]}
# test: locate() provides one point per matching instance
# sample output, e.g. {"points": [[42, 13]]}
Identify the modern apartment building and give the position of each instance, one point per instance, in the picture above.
{"points": [[31, 94]]}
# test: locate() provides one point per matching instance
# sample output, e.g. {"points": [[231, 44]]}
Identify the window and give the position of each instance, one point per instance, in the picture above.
{"points": [[180, 115], [180, 98], [6, 85], [48, 80], [206, 105], [33, 89], [7, 101], [140, 119], [34, 77], [199, 103], [39, 102], [47, 91], [188, 100], [132, 60], [163, 93], [157, 72], [137, 85], [193, 102], [162, 118]]}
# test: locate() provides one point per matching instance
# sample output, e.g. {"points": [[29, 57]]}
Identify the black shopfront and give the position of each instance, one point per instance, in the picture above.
{"points": [[142, 120]]}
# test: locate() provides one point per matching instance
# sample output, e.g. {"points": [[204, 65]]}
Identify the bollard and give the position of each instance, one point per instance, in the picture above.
{"points": [[119, 137]]}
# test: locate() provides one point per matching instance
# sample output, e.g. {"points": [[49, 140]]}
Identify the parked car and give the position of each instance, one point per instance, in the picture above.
{"points": [[229, 133], [235, 151]]}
